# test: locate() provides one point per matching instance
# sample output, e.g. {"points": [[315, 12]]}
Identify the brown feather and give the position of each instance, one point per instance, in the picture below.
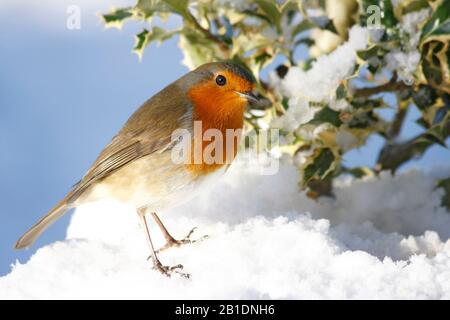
{"points": [[138, 157], [147, 131]]}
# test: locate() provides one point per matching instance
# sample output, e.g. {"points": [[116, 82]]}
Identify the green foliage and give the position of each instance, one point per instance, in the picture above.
{"points": [[388, 18], [117, 17], [326, 115], [271, 11], [320, 166], [444, 184], [439, 23], [145, 37], [435, 38], [257, 32]]}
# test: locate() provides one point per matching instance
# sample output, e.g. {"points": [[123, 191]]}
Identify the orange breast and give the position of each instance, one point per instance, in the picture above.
{"points": [[222, 111]]}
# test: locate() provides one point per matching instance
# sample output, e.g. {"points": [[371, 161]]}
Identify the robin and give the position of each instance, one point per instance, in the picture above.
{"points": [[138, 166]]}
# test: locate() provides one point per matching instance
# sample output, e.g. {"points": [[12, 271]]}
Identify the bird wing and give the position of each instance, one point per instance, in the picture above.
{"points": [[147, 131]]}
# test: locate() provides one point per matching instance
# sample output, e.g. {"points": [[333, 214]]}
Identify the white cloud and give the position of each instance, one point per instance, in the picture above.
{"points": [[380, 238]]}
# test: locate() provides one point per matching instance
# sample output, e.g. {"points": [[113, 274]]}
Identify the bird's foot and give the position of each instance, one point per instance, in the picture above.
{"points": [[168, 271], [171, 242]]}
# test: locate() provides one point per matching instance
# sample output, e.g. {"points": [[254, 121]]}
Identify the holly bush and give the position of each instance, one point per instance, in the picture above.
{"points": [[330, 66]]}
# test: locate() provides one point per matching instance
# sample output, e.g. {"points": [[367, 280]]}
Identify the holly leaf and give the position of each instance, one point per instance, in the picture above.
{"points": [[341, 92], [368, 53], [436, 133], [444, 184], [306, 41], [271, 11], [117, 17], [359, 172], [424, 97], [145, 37], [180, 7], [327, 115], [435, 63], [304, 25], [320, 166], [262, 58], [149, 7], [363, 120], [438, 24], [415, 5], [320, 21], [387, 18]]}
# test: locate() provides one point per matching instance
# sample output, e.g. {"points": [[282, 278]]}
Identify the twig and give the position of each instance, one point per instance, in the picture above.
{"points": [[390, 86], [393, 155], [208, 33], [397, 124]]}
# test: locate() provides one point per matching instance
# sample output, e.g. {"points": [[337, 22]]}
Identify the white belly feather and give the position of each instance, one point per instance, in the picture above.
{"points": [[153, 182]]}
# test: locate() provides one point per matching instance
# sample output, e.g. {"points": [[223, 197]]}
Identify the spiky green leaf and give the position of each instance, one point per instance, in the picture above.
{"points": [[320, 167]]}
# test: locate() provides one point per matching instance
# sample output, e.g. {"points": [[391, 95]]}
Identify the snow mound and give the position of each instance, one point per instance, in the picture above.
{"points": [[383, 237]]}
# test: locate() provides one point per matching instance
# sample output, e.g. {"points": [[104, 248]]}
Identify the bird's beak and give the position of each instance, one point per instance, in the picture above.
{"points": [[255, 100]]}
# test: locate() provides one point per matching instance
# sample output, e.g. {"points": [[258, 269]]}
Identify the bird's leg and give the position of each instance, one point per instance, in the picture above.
{"points": [[171, 241], [165, 270]]}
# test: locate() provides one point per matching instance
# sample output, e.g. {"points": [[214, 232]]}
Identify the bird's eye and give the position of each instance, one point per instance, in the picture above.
{"points": [[221, 80]]}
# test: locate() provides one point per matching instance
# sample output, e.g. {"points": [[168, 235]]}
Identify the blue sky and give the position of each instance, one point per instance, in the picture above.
{"points": [[64, 94]]}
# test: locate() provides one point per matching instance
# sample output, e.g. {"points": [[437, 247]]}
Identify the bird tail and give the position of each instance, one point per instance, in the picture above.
{"points": [[35, 231]]}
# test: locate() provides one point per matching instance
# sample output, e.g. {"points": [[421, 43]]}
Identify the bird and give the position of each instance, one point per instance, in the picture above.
{"points": [[138, 167]]}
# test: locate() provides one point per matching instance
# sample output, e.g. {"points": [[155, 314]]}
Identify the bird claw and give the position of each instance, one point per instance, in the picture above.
{"points": [[171, 242], [169, 270], [186, 240]]}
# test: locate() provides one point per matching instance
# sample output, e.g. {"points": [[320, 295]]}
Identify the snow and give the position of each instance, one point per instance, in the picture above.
{"points": [[406, 60], [328, 71], [319, 83], [404, 63], [383, 237]]}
